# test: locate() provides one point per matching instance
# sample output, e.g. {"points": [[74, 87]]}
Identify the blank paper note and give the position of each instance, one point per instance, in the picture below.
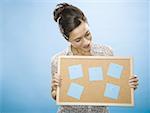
{"points": [[112, 91], [95, 73], [75, 71], [75, 91], [115, 70]]}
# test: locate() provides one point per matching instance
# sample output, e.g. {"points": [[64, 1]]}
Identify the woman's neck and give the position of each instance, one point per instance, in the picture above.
{"points": [[76, 51]]}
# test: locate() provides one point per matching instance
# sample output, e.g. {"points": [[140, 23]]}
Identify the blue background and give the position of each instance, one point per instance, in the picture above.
{"points": [[29, 37]]}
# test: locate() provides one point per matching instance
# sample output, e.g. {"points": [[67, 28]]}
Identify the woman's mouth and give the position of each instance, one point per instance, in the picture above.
{"points": [[87, 46]]}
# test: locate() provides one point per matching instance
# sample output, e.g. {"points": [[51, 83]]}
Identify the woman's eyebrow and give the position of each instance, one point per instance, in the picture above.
{"points": [[84, 34], [78, 38]]}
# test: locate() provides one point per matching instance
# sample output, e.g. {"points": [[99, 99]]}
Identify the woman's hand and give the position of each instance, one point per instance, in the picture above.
{"points": [[56, 82], [133, 81]]}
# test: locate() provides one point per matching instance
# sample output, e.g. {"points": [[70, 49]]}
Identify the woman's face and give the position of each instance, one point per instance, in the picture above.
{"points": [[81, 37]]}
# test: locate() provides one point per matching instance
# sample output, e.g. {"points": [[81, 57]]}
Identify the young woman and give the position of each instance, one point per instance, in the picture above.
{"points": [[75, 29]]}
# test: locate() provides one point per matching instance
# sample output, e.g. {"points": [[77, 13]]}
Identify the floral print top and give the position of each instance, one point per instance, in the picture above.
{"points": [[96, 50]]}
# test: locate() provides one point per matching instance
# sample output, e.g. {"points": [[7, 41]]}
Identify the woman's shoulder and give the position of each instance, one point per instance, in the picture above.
{"points": [[102, 49], [54, 58]]}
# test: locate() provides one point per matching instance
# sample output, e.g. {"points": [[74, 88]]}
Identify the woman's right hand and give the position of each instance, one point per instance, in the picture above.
{"points": [[56, 82]]}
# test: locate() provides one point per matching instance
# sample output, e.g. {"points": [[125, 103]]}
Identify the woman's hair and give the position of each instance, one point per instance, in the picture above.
{"points": [[68, 17]]}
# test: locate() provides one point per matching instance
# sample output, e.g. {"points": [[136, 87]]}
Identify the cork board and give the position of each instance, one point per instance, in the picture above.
{"points": [[95, 80]]}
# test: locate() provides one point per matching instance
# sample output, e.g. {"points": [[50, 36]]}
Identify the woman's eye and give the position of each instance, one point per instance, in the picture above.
{"points": [[88, 34], [78, 40]]}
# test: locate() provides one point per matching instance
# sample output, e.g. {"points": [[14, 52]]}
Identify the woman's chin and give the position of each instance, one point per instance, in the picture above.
{"points": [[86, 49]]}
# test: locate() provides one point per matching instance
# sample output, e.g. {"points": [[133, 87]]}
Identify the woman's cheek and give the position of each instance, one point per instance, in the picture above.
{"points": [[78, 45]]}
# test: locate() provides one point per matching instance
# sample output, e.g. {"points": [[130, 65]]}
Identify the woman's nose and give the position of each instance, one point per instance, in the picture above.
{"points": [[86, 42]]}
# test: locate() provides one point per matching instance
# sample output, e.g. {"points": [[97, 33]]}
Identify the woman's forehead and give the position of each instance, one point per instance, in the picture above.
{"points": [[79, 31]]}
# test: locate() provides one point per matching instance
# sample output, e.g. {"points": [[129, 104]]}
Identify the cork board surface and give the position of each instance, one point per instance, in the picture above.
{"points": [[88, 89]]}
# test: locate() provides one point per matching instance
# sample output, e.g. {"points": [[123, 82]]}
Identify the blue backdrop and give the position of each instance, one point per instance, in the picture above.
{"points": [[29, 37]]}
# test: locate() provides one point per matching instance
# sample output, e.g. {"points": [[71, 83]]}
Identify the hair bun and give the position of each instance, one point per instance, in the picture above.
{"points": [[59, 8]]}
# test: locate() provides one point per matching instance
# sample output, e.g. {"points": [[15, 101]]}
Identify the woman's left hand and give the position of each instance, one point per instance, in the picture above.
{"points": [[133, 81]]}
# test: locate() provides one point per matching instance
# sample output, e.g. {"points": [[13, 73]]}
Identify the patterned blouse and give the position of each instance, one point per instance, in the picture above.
{"points": [[96, 50]]}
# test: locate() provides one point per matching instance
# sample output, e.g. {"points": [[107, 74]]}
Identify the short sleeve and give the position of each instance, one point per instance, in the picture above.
{"points": [[101, 50], [108, 51], [54, 62]]}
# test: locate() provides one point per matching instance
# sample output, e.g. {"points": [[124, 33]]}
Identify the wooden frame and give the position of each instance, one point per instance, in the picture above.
{"points": [[126, 99]]}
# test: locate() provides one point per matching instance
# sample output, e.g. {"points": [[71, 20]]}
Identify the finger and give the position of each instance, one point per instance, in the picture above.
{"points": [[56, 84], [54, 87], [133, 83], [132, 77], [55, 80], [134, 87], [133, 80], [57, 77]]}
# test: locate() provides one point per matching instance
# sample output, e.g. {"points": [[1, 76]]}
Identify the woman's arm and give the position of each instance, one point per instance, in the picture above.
{"points": [[54, 82]]}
